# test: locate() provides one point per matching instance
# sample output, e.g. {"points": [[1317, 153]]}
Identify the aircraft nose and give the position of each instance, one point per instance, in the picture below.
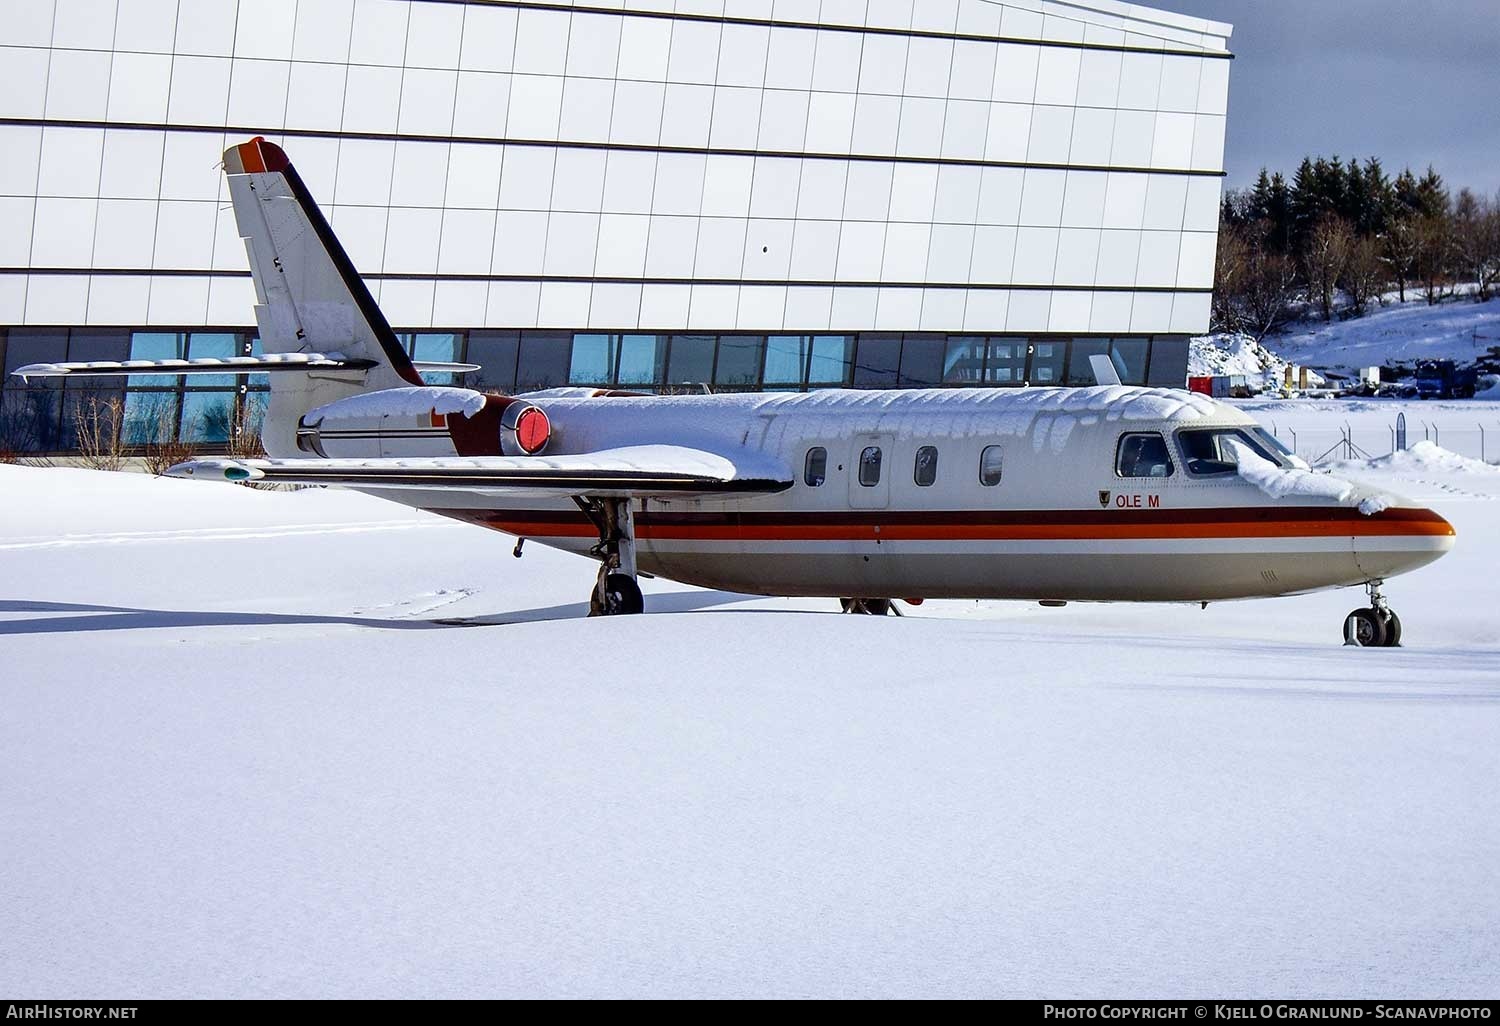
{"points": [[1397, 541]]}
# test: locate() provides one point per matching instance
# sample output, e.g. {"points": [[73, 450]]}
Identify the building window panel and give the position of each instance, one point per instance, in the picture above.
{"points": [[739, 361], [495, 352], [786, 360], [1048, 360], [594, 359], [643, 360], [1005, 362], [691, 360], [878, 362], [831, 361], [545, 360]]}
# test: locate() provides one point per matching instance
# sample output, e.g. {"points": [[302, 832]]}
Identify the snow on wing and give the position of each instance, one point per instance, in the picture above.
{"points": [[638, 471]]}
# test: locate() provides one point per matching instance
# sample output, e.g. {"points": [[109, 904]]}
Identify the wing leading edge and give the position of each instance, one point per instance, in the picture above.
{"points": [[638, 472]]}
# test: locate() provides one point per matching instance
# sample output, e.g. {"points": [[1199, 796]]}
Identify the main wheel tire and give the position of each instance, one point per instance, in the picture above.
{"points": [[622, 597], [1364, 628], [866, 607], [1392, 630]]}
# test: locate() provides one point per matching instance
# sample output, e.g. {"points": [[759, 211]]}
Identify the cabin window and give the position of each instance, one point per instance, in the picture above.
{"points": [[869, 466], [925, 473], [1143, 455], [1209, 454], [815, 469], [990, 463]]}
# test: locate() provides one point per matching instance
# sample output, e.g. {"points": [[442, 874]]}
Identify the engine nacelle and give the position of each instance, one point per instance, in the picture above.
{"points": [[425, 422]]}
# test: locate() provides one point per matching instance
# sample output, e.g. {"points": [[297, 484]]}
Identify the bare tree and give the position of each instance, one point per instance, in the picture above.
{"points": [[1327, 254], [165, 446], [28, 425], [1364, 274], [1231, 270], [1400, 251], [1270, 290], [1476, 239], [97, 424], [1435, 248], [244, 434]]}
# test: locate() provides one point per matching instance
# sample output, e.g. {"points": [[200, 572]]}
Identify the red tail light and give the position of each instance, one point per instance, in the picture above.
{"points": [[533, 430]]}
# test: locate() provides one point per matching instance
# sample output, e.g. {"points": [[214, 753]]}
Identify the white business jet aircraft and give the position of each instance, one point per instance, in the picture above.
{"points": [[1093, 494]]}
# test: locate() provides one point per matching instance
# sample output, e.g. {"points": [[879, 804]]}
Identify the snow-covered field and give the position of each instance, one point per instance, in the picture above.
{"points": [[1458, 329], [241, 755]]}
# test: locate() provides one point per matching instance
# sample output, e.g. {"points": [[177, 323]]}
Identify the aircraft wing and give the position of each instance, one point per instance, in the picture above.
{"points": [[635, 472]]}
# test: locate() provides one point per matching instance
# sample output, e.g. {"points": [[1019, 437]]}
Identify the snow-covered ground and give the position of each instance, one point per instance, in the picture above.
{"points": [[1458, 329], [241, 755]]}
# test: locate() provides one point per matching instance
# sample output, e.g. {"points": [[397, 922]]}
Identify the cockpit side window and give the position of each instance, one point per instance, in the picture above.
{"points": [[1209, 454], [1143, 454]]}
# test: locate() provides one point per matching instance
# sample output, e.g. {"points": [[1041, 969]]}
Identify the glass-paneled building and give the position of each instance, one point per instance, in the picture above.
{"points": [[660, 195]]}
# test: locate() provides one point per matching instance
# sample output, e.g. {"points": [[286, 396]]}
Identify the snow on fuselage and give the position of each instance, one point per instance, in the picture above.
{"points": [[982, 493]]}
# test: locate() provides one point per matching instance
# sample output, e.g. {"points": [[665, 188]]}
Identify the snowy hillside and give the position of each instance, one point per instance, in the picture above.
{"points": [[1460, 330], [242, 753]]}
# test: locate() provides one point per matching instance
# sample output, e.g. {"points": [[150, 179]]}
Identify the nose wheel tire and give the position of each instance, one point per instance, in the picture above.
{"points": [[1372, 628], [619, 596]]}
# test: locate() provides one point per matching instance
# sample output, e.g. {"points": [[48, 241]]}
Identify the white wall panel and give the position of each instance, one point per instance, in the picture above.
{"points": [[458, 304], [372, 99], [578, 180], [789, 58], [693, 54], [63, 232], [482, 105], [665, 307], [720, 247], [56, 299], [687, 115], [913, 192], [265, 29], [319, 92], [736, 118], [615, 306], [950, 253], [71, 162], [177, 300], [830, 122], [1029, 311], [322, 32], [1036, 256], [30, 24], [379, 34], [520, 235], [853, 309], [427, 102], [512, 305], [126, 299], [713, 307], [622, 245], [408, 303], [594, 45], [815, 251], [768, 249], [23, 82], [535, 107], [572, 241], [783, 120], [761, 308], [986, 310], [78, 85], [124, 233], [468, 240], [15, 239], [898, 309], [921, 133], [541, 42], [362, 232], [1009, 134], [587, 106], [489, 38]]}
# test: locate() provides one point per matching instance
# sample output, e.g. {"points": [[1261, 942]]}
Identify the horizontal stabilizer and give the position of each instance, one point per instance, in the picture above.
{"points": [[639, 472], [269, 363]]}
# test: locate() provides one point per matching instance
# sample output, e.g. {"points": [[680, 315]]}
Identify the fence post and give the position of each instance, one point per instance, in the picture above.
{"points": [[1483, 458]]}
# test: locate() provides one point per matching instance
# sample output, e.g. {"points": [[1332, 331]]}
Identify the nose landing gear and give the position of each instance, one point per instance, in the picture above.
{"points": [[616, 593], [1377, 626]]}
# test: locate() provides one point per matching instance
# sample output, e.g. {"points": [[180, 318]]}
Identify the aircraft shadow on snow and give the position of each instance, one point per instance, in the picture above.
{"points": [[89, 617]]}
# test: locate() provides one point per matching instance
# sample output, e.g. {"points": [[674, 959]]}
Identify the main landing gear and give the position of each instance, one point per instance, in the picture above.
{"points": [[869, 607], [616, 593], [1377, 626]]}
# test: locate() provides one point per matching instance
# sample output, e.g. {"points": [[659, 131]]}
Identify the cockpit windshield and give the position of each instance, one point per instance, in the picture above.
{"points": [[1208, 453]]}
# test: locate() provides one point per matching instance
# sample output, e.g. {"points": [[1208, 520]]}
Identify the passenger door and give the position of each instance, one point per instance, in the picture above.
{"points": [[871, 464]]}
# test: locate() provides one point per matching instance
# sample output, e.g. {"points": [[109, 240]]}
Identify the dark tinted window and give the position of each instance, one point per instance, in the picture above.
{"points": [[1169, 362], [991, 463], [815, 468], [922, 362], [1143, 455], [1047, 362], [925, 472], [545, 360], [1007, 362], [739, 361], [878, 361], [1129, 355], [1080, 370], [869, 466], [691, 360], [963, 364], [495, 352], [1208, 454]]}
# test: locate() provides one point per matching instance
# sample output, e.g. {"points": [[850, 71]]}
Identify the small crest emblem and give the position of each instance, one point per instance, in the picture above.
{"points": [[1104, 498]]}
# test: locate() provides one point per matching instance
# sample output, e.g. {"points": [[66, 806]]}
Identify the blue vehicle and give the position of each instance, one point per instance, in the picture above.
{"points": [[1443, 379]]}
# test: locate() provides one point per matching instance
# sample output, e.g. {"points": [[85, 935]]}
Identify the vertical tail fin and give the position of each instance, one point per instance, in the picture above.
{"points": [[309, 298]]}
